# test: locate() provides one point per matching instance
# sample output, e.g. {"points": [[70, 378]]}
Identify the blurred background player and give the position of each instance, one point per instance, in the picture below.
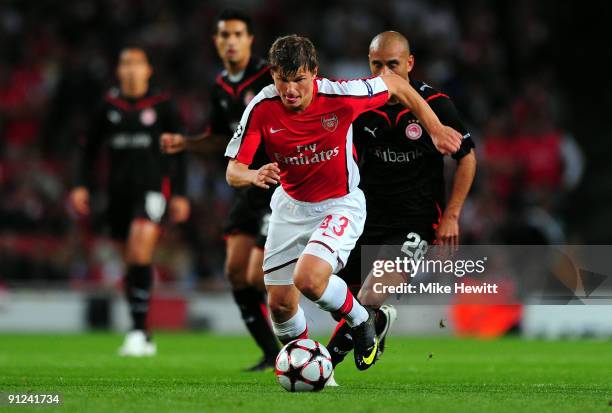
{"points": [[246, 226], [318, 212], [402, 176], [128, 124]]}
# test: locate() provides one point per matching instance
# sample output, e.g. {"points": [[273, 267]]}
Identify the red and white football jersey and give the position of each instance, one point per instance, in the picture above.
{"points": [[314, 148]]}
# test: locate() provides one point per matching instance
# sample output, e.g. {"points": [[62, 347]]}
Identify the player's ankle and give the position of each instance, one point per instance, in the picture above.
{"points": [[294, 327]]}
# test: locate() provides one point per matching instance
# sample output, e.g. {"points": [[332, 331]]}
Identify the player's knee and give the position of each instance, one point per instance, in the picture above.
{"points": [[255, 279], [255, 273], [138, 260], [281, 308], [141, 242], [309, 284], [236, 275], [138, 256]]}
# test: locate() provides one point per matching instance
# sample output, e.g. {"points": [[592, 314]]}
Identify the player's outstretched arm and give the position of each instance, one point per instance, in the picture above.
{"points": [[446, 139], [239, 175], [171, 143]]}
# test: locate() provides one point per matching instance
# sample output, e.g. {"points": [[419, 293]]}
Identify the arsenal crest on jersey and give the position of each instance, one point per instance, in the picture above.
{"points": [[329, 122]]}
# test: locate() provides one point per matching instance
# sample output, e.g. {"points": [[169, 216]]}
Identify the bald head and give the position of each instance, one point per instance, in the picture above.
{"points": [[390, 53], [390, 40]]}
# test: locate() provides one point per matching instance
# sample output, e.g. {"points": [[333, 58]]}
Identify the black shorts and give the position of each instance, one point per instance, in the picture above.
{"points": [[387, 239], [123, 208], [249, 214]]}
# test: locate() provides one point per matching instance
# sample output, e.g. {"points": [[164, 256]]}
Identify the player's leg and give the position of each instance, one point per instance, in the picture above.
{"points": [[139, 249], [242, 229], [341, 340], [303, 248], [414, 242], [287, 234], [328, 248], [145, 212], [248, 299], [386, 314], [263, 333], [313, 277], [255, 273], [237, 253], [287, 315], [391, 245]]}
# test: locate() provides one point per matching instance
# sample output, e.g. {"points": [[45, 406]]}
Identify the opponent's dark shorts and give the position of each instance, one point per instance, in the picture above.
{"points": [[249, 214], [123, 208], [388, 241]]}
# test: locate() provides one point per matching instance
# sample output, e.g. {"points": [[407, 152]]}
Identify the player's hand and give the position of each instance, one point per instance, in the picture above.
{"points": [[447, 233], [172, 143], [266, 175], [179, 209], [79, 200], [446, 139]]}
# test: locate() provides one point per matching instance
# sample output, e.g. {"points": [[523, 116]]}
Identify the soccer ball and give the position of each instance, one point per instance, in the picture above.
{"points": [[303, 365]]}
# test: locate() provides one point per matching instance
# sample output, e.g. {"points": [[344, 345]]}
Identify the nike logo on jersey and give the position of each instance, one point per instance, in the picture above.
{"points": [[373, 132], [273, 131], [425, 86]]}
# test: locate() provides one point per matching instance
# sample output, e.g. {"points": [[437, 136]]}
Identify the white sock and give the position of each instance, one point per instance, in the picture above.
{"points": [[291, 329], [337, 298]]}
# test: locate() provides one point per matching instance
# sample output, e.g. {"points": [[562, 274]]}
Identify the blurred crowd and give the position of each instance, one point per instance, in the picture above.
{"points": [[57, 58]]}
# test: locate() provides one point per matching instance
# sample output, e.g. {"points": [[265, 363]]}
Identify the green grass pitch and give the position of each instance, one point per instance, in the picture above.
{"points": [[199, 372]]}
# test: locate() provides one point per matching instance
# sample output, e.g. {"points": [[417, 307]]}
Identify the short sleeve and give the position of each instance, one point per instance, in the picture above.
{"points": [[247, 136], [377, 95], [361, 95], [448, 115], [216, 117]]}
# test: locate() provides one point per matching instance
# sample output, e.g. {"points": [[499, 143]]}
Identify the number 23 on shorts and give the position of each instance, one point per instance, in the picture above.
{"points": [[337, 228]]}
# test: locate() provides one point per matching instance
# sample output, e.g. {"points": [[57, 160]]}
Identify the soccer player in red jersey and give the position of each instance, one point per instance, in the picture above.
{"points": [[318, 212]]}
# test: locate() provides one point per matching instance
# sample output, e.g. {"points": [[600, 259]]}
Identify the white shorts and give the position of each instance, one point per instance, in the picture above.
{"points": [[328, 229]]}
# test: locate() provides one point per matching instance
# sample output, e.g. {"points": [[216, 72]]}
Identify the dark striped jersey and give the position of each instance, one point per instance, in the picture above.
{"points": [[129, 130], [402, 173], [229, 99]]}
